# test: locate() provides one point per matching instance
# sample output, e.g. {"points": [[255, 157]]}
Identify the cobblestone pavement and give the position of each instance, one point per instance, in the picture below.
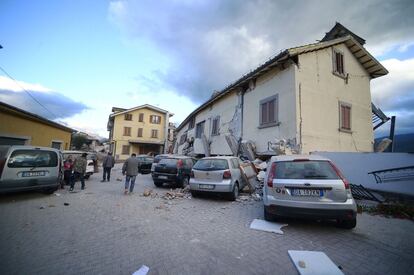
{"points": [[102, 231]]}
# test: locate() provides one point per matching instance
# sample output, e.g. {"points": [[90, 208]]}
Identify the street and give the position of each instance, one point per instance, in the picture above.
{"points": [[102, 231]]}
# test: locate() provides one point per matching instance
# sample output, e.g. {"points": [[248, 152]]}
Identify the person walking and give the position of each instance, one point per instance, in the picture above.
{"points": [[107, 164], [130, 169], [79, 170], [68, 170]]}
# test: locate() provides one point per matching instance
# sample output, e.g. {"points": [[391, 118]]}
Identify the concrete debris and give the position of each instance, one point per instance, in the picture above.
{"points": [[313, 262], [182, 193], [51, 205], [261, 175], [118, 179], [41, 207], [147, 192], [57, 194], [142, 271], [66, 203], [267, 226]]}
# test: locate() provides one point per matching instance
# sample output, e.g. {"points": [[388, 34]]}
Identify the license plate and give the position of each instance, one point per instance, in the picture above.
{"points": [[33, 174], [206, 186], [163, 177], [307, 192]]}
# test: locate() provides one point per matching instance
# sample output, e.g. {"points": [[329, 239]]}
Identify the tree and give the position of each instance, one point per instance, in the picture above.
{"points": [[78, 141]]}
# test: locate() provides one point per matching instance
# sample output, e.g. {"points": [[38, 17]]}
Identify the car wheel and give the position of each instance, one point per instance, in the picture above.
{"points": [[50, 191], [269, 216], [347, 224], [158, 183], [235, 193], [184, 182]]}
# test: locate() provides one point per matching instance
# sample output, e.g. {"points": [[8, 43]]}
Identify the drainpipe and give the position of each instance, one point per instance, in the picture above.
{"points": [[242, 112], [167, 122]]}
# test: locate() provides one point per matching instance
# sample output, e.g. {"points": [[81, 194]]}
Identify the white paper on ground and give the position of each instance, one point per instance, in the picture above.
{"points": [[142, 271], [267, 226], [315, 262]]}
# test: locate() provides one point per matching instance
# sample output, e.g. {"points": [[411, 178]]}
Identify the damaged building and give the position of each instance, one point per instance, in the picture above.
{"points": [[309, 98]]}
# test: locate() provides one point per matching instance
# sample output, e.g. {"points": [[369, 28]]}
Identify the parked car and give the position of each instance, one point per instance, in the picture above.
{"points": [[144, 164], [157, 159], [217, 174], [90, 163], [308, 186], [24, 168], [173, 169]]}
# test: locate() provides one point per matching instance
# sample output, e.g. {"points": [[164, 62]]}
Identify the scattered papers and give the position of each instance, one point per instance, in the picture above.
{"points": [[267, 226], [142, 271], [313, 262]]}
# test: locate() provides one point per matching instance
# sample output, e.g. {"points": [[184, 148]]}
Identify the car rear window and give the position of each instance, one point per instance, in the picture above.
{"points": [[158, 158], [305, 170], [211, 164], [168, 162], [32, 158]]}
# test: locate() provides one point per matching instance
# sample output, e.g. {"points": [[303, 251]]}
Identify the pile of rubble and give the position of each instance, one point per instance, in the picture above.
{"points": [[181, 193]]}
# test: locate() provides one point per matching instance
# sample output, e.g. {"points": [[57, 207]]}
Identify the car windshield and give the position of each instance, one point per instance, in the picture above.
{"points": [[32, 158], [211, 164], [305, 170]]}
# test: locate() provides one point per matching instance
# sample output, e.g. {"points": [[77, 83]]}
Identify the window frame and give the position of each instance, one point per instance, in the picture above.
{"points": [[123, 149], [183, 139], [215, 126], [335, 70], [275, 122], [140, 132], [128, 117], [191, 123], [154, 131], [125, 131], [197, 134], [141, 117], [155, 121], [341, 125]]}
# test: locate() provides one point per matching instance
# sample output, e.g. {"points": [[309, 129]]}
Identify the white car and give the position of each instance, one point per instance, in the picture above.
{"points": [[307, 186], [217, 175]]}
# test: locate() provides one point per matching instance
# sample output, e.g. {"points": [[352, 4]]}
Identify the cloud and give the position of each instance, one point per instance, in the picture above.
{"points": [[394, 93], [212, 43], [60, 106]]}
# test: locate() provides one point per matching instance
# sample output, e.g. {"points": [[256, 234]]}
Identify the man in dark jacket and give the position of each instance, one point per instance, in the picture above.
{"points": [[79, 170], [107, 164], [130, 169]]}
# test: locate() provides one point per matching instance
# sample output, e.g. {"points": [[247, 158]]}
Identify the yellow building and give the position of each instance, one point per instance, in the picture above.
{"points": [[141, 130], [18, 127]]}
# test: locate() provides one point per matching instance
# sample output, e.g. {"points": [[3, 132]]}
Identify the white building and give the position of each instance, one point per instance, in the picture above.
{"points": [[316, 97]]}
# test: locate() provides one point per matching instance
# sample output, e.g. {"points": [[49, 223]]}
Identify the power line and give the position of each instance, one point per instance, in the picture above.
{"points": [[37, 101]]}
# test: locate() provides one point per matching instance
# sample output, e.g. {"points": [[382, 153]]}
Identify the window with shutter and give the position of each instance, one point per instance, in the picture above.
{"points": [[125, 149], [269, 112], [141, 117], [140, 132], [128, 116], [127, 131], [338, 63], [345, 117], [215, 126], [154, 133]]}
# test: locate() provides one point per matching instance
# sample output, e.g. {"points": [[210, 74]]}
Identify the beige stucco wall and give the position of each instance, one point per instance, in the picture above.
{"points": [[120, 122], [275, 82], [37, 133], [225, 108], [319, 92]]}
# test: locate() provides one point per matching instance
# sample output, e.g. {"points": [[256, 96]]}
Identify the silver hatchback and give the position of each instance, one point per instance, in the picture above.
{"points": [[29, 168], [217, 174], [308, 186]]}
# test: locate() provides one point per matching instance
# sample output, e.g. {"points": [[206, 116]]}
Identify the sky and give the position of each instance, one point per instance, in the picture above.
{"points": [[81, 58]]}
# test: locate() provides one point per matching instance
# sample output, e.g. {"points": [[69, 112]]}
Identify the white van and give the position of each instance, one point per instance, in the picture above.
{"points": [[29, 168]]}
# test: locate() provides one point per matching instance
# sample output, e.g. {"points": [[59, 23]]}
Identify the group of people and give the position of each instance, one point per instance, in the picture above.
{"points": [[76, 169]]}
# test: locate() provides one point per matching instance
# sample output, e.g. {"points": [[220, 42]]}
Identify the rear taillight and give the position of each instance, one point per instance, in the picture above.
{"points": [[180, 164], [338, 172], [2, 163], [272, 173], [192, 174], [227, 174]]}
